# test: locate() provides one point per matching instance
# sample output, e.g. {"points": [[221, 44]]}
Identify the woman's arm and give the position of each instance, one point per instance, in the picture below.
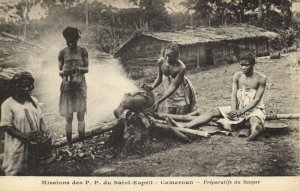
{"points": [[258, 96], [14, 132], [175, 84], [234, 101], [61, 63], [7, 122], [85, 57], [159, 76]]}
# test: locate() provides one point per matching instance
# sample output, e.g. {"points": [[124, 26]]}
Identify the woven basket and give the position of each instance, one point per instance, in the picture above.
{"points": [[42, 148]]}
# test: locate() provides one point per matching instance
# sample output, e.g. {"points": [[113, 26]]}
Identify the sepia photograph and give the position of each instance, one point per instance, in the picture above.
{"points": [[150, 94]]}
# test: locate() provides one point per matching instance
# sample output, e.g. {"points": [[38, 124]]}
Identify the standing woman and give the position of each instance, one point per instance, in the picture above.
{"points": [[73, 64], [179, 92], [20, 116]]}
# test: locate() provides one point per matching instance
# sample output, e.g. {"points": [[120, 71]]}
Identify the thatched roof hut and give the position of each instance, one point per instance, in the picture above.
{"points": [[198, 47]]}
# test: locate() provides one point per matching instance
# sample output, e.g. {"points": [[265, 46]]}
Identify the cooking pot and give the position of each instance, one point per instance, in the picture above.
{"points": [[135, 102]]}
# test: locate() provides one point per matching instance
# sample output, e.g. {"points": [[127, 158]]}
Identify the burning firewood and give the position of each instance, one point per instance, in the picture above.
{"points": [[137, 119]]}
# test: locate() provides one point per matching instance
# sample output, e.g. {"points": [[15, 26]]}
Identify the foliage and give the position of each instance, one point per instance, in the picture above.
{"points": [[154, 14], [218, 12], [295, 23], [109, 26], [180, 21]]}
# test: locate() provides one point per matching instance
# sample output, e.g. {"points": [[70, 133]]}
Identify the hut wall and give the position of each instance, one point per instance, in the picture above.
{"points": [[197, 55], [222, 53], [188, 54], [201, 55], [262, 47], [218, 53], [142, 51], [258, 46]]}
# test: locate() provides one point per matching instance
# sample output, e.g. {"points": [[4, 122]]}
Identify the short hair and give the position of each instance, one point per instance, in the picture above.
{"points": [[71, 34], [175, 48], [18, 77], [249, 57]]}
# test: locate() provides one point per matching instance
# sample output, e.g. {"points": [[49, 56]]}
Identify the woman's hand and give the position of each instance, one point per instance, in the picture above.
{"points": [[75, 70], [61, 73], [147, 87], [234, 114]]}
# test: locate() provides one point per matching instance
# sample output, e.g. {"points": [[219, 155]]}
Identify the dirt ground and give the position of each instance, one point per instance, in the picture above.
{"points": [[275, 153]]}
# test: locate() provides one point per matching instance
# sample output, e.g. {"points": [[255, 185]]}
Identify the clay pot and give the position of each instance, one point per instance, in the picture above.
{"points": [[135, 103]]}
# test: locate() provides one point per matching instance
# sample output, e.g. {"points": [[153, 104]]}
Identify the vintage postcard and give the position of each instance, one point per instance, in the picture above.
{"points": [[149, 94]]}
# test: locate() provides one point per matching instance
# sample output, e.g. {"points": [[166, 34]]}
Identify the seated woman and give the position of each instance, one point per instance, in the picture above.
{"points": [[248, 88]]}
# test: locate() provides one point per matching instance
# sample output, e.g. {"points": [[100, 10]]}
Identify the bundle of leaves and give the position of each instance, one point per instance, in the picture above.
{"points": [[38, 137]]}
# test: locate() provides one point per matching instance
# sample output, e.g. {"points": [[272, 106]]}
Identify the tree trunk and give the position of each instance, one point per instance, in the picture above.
{"points": [[260, 9], [26, 10], [86, 13]]}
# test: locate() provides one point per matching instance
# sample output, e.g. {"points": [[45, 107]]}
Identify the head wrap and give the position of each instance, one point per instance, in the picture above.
{"points": [[17, 78], [22, 76]]}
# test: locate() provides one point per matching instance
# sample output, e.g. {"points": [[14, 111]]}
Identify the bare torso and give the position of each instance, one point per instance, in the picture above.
{"points": [[171, 70], [251, 82], [72, 58]]}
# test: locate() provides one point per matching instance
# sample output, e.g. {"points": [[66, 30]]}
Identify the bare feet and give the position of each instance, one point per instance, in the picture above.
{"points": [[255, 133]]}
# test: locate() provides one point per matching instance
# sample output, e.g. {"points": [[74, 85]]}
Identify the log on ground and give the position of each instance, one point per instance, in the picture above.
{"points": [[88, 134]]}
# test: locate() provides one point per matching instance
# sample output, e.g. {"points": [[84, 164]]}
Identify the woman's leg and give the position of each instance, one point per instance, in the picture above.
{"points": [[256, 128], [81, 126], [204, 118], [68, 128]]}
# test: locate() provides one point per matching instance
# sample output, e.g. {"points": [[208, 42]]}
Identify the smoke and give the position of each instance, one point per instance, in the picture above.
{"points": [[106, 83]]}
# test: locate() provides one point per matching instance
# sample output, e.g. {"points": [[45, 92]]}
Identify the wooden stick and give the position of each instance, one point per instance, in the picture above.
{"points": [[283, 116], [180, 135], [184, 130], [30, 121], [157, 120], [174, 130], [194, 113], [184, 118], [172, 122]]}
